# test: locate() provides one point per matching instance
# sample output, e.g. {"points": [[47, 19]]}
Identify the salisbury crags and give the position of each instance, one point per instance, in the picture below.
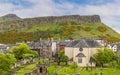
{"points": [[55, 19], [67, 18]]}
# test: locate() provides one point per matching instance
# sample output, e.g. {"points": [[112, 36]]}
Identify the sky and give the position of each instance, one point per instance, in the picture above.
{"points": [[109, 10]]}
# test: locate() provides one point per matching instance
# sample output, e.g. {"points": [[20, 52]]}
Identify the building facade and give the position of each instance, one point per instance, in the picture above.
{"points": [[82, 51]]}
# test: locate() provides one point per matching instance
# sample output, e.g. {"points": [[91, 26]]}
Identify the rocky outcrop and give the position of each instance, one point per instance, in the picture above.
{"points": [[58, 19], [69, 18]]}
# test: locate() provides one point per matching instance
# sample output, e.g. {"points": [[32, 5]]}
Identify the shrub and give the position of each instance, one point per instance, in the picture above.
{"points": [[74, 23], [102, 29], [79, 27], [87, 29]]}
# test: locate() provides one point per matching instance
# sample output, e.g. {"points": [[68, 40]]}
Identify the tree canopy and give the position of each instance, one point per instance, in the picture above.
{"points": [[63, 57], [6, 60], [104, 56], [23, 51]]}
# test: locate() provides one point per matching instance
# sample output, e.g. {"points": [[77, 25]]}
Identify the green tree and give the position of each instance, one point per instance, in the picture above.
{"points": [[104, 56], [18, 51], [118, 59], [32, 54], [27, 55], [23, 51], [11, 57], [118, 56], [6, 60], [63, 57]]}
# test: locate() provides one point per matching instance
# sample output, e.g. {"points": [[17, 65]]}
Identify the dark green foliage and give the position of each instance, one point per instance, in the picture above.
{"points": [[63, 57], [79, 27], [87, 29], [104, 56]]}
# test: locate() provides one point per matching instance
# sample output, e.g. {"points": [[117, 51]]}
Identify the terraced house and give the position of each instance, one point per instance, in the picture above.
{"points": [[81, 51]]}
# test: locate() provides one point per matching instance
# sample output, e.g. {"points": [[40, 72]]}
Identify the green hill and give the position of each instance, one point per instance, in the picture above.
{"points": [[63, 27], [9, 17]]}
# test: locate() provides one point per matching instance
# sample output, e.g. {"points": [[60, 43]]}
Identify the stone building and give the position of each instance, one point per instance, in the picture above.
{"points": [[81, 52]]}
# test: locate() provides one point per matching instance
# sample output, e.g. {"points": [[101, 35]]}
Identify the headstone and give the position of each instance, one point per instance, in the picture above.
{"points": [[41, 69], [101, 73]]}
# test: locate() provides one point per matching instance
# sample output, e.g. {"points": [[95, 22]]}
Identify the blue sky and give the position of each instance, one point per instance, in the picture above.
{"points": [[86, 2], [108, 10]]}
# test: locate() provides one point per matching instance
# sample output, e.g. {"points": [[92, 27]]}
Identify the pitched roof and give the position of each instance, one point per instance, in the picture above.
{"points": [[84, 43], [39, 44]]}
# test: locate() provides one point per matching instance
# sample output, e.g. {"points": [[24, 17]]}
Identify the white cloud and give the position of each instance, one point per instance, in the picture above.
{"points": [[109, 12]]}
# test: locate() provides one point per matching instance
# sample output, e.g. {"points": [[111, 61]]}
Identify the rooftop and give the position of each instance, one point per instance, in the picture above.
{"points": [[84, 43]]}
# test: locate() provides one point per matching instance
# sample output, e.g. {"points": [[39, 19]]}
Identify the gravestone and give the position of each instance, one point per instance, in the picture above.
{"points": [[101, 73]]}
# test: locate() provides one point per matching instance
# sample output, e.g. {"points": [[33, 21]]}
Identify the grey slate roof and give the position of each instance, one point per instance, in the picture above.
{"points": [[84, 43], [64, 43], [39, 44]]}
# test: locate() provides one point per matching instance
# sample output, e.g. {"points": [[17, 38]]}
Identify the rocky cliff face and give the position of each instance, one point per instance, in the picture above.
{"points": [[55, 19], [75, 18]]}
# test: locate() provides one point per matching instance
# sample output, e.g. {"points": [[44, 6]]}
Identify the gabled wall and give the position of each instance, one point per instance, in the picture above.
{"points": [[88, 52]]}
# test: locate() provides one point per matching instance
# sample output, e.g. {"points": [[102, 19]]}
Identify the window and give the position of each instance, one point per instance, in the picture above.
{"points": [[79, 60], [80, 49]]}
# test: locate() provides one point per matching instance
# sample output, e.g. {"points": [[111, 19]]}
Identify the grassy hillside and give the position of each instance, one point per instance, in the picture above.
{"points": [[66, 31], [9, 17], [76, 31], [35, 28], [5, 19]]}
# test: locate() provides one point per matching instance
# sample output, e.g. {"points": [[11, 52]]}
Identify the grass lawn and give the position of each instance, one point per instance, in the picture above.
{"points": [[53, 69], [105, 71], [26, 69], [82, 71]]}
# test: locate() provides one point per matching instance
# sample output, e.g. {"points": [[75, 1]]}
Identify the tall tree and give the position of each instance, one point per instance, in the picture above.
{"points": [[63, 57], [104, 56]]}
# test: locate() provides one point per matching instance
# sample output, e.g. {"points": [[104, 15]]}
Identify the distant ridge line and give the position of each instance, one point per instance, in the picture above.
{"points": [[76, 18]]}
